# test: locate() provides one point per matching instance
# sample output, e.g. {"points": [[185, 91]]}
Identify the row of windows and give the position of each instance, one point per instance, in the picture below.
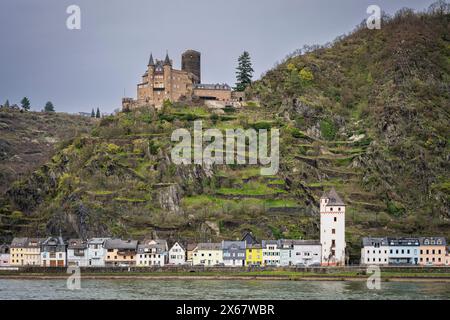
{"points": [[408, 251], [234, 254], [149, 256], [115, 257], [433, 259], [155, 263]]}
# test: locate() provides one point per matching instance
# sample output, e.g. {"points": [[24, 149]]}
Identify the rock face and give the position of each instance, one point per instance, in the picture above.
{"points": [[169, 198]]}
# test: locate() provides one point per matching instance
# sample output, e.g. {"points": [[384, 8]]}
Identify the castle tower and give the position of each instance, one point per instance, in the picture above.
{"points": [[150, 77], [168, 77], [332, 229], [191, 62]]}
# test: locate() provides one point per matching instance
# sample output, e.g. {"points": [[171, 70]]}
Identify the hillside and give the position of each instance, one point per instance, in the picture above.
{"points": [[367, 114], [29, 139]]}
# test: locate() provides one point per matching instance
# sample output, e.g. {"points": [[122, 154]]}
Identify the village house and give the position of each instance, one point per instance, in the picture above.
{"points": [[208, 254], [4, 255], [375, 251], [152, 253], [432, 251], [96, 252], [190, 252], [332, 229], [77, 253], [25, 252], [300, 253], [253, 254], [403, 251], [53, 252], [271, 252], [233, 253], [120, 253], [177, 254]]}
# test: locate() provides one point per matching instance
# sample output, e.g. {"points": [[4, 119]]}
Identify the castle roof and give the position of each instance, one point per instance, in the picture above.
{"points": [[211, 86], [167, 60], [150, 61]]}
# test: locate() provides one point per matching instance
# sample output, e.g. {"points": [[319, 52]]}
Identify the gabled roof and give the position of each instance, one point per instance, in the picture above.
{"points": [[254, 246], [121, 244], [191, 246], [291, 243], [19, 242], [249, 238], [333, 198], [159, 244], [54, 241], [432, 241], [181, 246], [97, 240], [77, 244], [209, 246], [239, 245], [270, 242], [369, 241]]}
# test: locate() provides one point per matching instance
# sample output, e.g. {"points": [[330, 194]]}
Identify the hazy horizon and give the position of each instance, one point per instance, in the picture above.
{"points": [[83, 69]]}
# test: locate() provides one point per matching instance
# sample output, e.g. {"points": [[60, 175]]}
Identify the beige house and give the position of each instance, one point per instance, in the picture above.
{"points": [[432, 251], [208, 254], [120, 253], [25, 252]]}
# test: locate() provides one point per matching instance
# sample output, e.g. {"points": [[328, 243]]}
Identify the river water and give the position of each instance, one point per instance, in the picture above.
{"points": [[219, 290]]}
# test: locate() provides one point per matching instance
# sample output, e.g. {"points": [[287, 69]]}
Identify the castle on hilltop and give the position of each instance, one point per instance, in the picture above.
{"points": [[162, 82]]}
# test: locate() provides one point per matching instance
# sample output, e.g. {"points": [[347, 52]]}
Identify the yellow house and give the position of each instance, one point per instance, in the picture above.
{"points": [[207, 254], [25, 252], [253, 255]]}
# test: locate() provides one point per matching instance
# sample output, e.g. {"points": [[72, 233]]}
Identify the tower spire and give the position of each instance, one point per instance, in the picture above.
{"points": [[150, 61], [167, 60]]}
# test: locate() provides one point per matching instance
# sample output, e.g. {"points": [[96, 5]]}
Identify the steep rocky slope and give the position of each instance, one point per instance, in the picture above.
{"points": [[29, 139]]}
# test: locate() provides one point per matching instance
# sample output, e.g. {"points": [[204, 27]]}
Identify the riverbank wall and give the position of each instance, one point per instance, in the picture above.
{"points": [[362, 270]]}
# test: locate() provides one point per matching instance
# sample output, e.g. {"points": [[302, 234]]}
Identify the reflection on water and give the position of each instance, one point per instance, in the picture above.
{"points": [[218, 289]]}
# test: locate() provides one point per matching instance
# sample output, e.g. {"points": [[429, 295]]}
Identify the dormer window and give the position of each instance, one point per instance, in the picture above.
{"points": [[427, 242], [439, 241]]}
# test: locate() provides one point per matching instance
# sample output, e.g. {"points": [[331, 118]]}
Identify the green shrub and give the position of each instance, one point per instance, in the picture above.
{"points": [[327, 129]]}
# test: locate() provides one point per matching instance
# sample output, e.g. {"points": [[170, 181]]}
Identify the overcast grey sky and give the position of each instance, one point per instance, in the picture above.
{"points": [[81, 69]]}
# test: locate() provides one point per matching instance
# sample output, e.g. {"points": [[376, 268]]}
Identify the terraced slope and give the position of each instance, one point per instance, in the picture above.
{"points": [[368, 115]]}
